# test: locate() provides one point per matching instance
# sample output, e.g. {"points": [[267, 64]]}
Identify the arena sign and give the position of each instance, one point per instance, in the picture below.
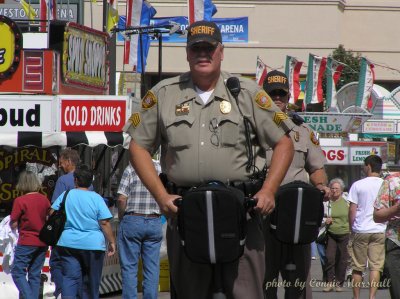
{"points": [[65, 12], [85, 57], [10, 47]]}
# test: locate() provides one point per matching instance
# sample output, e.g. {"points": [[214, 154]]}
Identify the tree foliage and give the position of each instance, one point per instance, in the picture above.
{"points": [[352, 60]]}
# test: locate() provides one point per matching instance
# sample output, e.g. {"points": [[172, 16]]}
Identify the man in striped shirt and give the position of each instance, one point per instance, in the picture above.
{"points": [[139, 234]]}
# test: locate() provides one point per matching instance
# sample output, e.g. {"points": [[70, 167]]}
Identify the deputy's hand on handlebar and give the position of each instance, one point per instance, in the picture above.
{"points": [[167, 206], [265, 202]]}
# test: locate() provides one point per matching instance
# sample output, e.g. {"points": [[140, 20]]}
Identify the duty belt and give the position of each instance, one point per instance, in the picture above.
{"points": [[249, 188]]}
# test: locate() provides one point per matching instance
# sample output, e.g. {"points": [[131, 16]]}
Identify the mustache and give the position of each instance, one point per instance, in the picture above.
{"points": [[203, 57]]}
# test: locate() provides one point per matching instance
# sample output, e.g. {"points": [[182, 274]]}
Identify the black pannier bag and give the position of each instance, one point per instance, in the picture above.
{"points": [[212, 223], [298, 213]]}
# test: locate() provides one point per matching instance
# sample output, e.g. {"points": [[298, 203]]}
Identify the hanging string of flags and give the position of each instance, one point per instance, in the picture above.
{"points": [[261, 71], [292, 71], [317, 68]]}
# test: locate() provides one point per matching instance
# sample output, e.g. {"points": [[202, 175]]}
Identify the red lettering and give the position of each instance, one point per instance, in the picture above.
{"points": [[332, 155], [340, 155]]}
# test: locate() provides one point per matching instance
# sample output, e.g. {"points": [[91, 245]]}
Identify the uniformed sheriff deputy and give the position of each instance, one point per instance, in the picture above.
{"points": [[307, 166], [199, 125]]}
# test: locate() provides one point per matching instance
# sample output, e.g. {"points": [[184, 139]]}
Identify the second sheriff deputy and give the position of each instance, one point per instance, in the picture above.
{"points": [[307, 166]]}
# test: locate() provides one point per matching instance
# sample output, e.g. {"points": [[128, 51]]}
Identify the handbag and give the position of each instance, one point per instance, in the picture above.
{"points": [[323, 232], [54, 225], [212, 223], [322, 236]]}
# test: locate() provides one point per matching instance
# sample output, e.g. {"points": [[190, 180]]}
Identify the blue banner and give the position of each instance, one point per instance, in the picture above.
{"points": [[233, 30]]}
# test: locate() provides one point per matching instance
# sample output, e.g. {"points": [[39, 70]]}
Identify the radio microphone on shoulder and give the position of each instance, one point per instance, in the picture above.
{"points": [[233, 85]]}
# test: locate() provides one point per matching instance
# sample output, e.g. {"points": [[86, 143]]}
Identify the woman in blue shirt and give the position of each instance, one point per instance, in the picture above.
{"points": [[82, 244]]}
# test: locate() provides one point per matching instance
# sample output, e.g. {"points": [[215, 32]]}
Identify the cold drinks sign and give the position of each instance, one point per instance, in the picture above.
{"points": [[92, 115]]}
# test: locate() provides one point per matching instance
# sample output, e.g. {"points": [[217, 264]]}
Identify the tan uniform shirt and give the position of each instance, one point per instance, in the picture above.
{"points": [[201, 142], [308, 156]]}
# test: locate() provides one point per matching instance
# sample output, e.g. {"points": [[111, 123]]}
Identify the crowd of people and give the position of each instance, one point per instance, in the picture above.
{"points": [[77, 260], [209, 127], [357, 232]]}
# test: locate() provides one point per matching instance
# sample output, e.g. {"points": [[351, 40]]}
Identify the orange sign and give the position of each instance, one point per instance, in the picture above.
{"points": [[10, 46]]}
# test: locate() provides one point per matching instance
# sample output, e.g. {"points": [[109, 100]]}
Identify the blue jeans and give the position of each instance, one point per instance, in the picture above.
{"points": [[81, 270], [314, 249], [322, 255], [137, 236], [28, 259], [56, 270], [321, 251]]}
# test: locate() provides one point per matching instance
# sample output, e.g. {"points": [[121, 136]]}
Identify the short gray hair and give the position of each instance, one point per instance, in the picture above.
{"points": [[28, 182], [337, 181]]}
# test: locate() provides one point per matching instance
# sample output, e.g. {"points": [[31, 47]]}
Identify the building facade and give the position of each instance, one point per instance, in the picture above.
{"points": [[277, 28]]}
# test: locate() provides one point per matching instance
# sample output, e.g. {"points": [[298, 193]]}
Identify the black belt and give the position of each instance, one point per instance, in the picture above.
{"points": [[143, 215], [249, 188]]}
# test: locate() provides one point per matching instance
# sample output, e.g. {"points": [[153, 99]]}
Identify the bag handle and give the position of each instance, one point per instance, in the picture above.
{"points": [[62, 205]]}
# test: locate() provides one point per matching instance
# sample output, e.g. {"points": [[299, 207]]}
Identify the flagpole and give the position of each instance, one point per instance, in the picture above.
{"points": [[112, 51], [142, 83], [91, 14], [68, 10], [159, 55], [29, 17]]}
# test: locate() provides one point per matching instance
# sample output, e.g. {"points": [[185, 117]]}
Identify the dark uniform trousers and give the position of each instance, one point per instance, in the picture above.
{"points": [[277, 255], [241, 279]]}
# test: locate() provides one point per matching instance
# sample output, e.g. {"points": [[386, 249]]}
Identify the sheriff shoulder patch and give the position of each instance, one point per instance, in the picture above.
{"points": [[149, 100], [314, 138], [279, 117], [263, 100], [135, 119]]}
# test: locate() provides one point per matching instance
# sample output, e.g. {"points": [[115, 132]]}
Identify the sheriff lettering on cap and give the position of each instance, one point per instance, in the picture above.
{"points": [[202, 30], [277, 79]]}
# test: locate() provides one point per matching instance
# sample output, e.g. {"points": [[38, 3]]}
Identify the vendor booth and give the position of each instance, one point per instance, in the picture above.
{"points": [[33, 131]]}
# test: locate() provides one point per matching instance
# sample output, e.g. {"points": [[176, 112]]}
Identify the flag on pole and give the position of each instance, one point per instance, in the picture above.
{"points": [[48, 11], [333, 71], [365, 84], [112, 15], [201, 10], [29, 10], [292, 71], [261, 71], [315, 72], [139, 14]]}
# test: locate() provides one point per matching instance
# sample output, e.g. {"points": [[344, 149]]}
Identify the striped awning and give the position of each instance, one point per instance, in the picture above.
{"points": [[64, 139]]}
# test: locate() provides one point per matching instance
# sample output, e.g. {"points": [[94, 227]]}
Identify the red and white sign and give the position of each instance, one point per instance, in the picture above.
{"points": [[354, 152], [336, 155], [93, 115]]}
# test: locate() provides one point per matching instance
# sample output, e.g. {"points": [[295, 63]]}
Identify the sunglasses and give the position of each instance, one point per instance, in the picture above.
{"points": [[213, 126], [278, 92], [203, 47]]}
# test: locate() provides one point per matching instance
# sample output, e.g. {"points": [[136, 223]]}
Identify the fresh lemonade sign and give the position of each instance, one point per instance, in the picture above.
{"points": [[335, 122]]}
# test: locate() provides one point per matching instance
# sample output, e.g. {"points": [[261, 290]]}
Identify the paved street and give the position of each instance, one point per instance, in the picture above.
{"points": [[317, 290]]}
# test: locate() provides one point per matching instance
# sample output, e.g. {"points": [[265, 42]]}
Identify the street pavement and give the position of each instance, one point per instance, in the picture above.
{"points": [[316, 276]]}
